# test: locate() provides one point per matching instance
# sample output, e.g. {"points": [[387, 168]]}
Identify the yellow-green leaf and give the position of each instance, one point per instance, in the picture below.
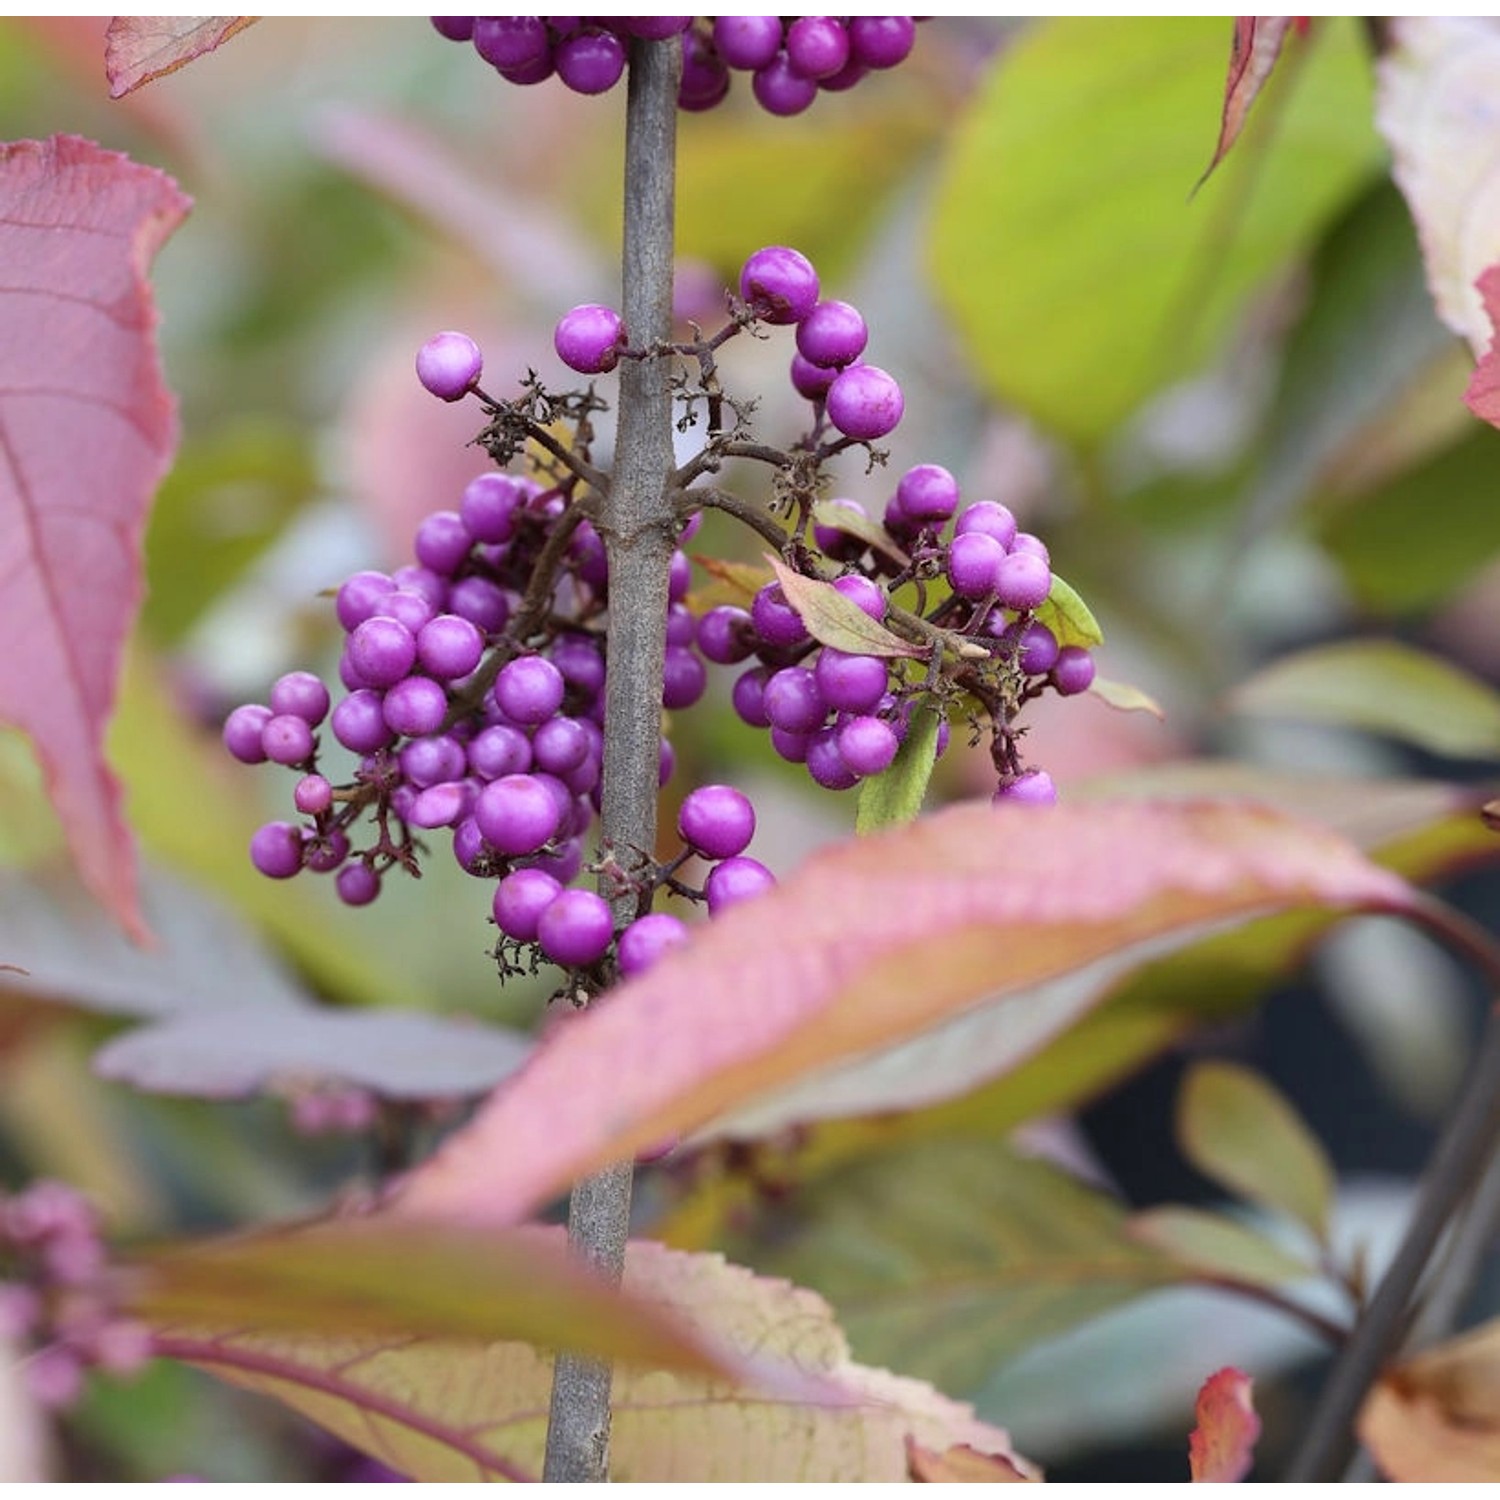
{"points": [[1217, 1247], [834, 619], [1065, 614], [895, 795]]}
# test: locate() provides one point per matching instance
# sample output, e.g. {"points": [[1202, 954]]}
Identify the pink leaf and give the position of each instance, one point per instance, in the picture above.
{"points": [[1221, 1447], [869, 944], [1252, 56], [138, 49], [1483, 394], [87, 429]]}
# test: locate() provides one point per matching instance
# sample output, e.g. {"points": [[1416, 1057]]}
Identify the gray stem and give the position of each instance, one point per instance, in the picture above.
{"points": [[639, 527]]}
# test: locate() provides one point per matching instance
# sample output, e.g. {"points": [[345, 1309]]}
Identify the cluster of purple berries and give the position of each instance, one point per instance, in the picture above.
{"points": [[54, 1297], [789, 58]]}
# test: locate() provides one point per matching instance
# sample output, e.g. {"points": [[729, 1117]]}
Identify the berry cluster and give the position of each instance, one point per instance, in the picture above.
{"points": [[54, 1298], [789, 58]]}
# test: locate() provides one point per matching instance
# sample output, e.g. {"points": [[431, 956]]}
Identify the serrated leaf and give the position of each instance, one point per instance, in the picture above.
{"points": [[79, 227], [895, 795], [859, 523], [1221, 1448], [869, 944], [444, 1410], [1382, 686], [1253, 53], [1239, 1130], [1126, 697], [1217, 1246], [1065, 614], [1074, 269], [1483, 395], [138, 49], [834, 619]]}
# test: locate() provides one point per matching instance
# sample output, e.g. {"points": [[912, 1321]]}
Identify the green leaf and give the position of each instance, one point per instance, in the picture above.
{"points": [[1381, 686], [1126, 697], [1236, 1128], [1217, 1246], [1409, 544], [1065, 614], [947, 1258], [895, 796], [460, 1407], [1078, 274], [858, 523], [834, 619]]}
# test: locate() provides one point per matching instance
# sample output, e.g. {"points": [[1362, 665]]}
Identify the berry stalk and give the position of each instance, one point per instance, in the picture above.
{"points": [[639, 526]]}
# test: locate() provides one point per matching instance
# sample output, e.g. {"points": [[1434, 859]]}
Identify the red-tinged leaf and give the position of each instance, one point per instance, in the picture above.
{"points": [[87, 429], [738, 582], [869, 944], [1483, 394], [464, 1406], [1222, 1445], [834, 619], [1253, 54], [139, 49], [962, 1465]]}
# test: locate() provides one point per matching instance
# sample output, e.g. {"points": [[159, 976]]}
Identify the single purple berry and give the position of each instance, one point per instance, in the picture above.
{"points": [[749, 697], [382, 650], [443, 542], [817, 46], [705, 79], [407, 606], [867, 745], [1022, 581], [276, 850], [654, 28], [779, 284], [682, 628], [724, 634], [580, 662], [775, 621], [790, 746], [826, 764], [793, 701], [360, 596], [735, 880], [881, 41], [646, 939], [849, 682], [589, 338], [415, 706], [425, 582], [865, 402], [482, 602], [1026, 542], [560, 745], [865, 592], [357, 885], [679, 576], [470, 850], [780, 89], [832, 334], [747, 42], [974, 564], [454, 28], [520, 899], [313, 795], [928, 493], [1074, 671], [835, 543], [575, 930], [590, 62], [359, 725], [500, 750], [717, 821], [449, 646], [809, 380], [288, 739], [1035, 647], [449, 365], [990, 518], [845, 78], [684, 678], [529, 689], [517, 814], [242, 733], [512, 42], [1029, 789], [324, 852], [435, 758], [300, 693], [489, 507], [441, 806]]}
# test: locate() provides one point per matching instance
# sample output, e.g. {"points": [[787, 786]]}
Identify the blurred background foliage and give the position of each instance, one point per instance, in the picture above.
{"points": [[1232, 414]]}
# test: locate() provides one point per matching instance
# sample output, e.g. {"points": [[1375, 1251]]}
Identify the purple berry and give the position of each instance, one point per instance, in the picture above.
{"points": [[424, 582], [849, 682], [589, 338], [1022, 581], [590, 62], [1026, 542], [781, 90], [580, 662], [646, 939], [449, 365], [415, 706], [481, 602], [276, 850], [974, 564], [817, 46], [928, 493], [529, 689], [684, 678], [287, 739], [325, 852], [832, 334], [1074, 671], [300, 693], [1035, 647], [489, 507], [705, 79], [867, 745], [653, 28], [717, 821], [382, 651], [749, 697], [357, 885], [441, 806], [512, 42], [360, 597], [735, 880], [793, 701], [575, 930], [408, 607], [809, 380], [520, 899], [470, 849], [454, 28], [679, 577], [243, 730], [449, 646], [791, 747], [724, 634], [747, 42], [845, 78], [881, 41], [313, 795], [517, 814], [989, 518], [439, 757], [682, 628], [560, 745], [776, 622], [359, 725], [779, 283], [865, 403], [1029, 789], [826, 764], [500, 750], [864, 592], [443, 542]]}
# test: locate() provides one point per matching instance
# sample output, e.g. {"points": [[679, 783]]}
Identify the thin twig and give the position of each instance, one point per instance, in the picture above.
{"points": [[638, 522]]}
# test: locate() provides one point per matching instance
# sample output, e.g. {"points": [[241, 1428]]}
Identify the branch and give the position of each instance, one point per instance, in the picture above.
{"points": [[638, 521]]}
